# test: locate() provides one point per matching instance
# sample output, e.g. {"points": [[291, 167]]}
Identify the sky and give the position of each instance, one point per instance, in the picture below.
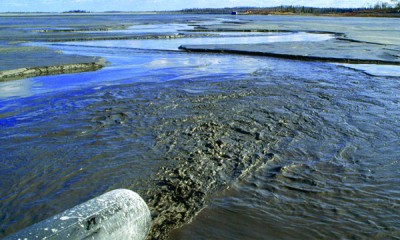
{"points": [[150, 5]]}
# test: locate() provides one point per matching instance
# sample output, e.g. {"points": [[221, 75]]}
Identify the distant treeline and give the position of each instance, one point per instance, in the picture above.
{"points": [[378, 8], [76, 11]]}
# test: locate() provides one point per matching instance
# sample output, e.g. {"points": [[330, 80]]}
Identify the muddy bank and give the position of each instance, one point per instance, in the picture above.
{"points": [[327, 51], [49, 70], [21, 62]]}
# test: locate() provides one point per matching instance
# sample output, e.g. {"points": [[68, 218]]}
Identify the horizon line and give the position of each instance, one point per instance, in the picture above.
{"points": [[178, 10]]}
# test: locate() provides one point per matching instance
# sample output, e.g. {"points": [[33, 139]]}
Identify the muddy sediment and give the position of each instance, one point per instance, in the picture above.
{"points": [[206, 141], [210, 140], [210, 155]]}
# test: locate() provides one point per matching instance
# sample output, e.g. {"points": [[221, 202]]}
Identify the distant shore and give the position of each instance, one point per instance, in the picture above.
{"points": [[366, 14]]}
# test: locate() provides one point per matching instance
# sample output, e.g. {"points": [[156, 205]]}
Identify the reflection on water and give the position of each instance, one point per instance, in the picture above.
{"points": [[169, 27], [17, 88], [127, 66], [217, 21], [173, 44], [155, 28]]}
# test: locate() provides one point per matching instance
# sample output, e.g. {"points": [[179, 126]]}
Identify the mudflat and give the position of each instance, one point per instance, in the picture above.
{"points": [[361, 41]]}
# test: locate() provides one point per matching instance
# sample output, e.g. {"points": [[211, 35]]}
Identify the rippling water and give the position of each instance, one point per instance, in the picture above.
{"points": [[335, 171], [331, 134]]}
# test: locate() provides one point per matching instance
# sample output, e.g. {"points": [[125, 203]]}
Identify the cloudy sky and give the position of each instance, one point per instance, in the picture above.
{"points": [[149, 5]]}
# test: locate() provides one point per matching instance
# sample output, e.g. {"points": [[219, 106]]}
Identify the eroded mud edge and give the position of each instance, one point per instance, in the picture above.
{"points": [[289, 56], [50, 70]]}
